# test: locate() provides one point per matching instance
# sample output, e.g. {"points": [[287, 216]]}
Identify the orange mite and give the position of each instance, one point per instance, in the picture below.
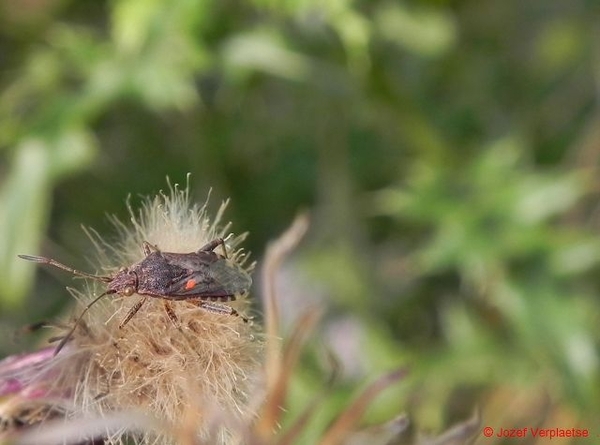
{"points": [[190, 284]]}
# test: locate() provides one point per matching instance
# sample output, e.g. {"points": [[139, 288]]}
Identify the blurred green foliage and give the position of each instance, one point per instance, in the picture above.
{"points": [[449, 151]]}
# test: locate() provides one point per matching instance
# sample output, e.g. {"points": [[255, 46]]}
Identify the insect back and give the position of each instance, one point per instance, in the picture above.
{"points": [[203, 277]]}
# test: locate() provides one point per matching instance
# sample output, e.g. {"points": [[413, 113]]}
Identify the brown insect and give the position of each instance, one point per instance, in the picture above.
{"points": [[203, 277]]}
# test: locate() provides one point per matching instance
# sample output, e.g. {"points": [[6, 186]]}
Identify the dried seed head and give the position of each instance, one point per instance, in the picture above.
{"points": [[163, 363]]}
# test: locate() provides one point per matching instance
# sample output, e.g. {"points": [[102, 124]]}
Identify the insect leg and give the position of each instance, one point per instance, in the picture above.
{"points": [[217, 308], [171, 313], [136, 307], [106, 390], [213, 245], [148, 248]]}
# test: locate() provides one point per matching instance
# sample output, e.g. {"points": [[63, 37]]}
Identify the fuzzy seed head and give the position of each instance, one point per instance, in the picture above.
{"points": [[173, 360]]}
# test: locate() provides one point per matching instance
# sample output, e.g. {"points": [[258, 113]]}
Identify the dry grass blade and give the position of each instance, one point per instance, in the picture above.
{"points": [[277, 393], [85, 430], [294, 431], [276, 252], [458, 434], [347, 421], [382, 434], [300, 423]]}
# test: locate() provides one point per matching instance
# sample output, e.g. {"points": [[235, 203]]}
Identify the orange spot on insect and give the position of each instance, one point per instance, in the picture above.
{"points": [[190, 284]]}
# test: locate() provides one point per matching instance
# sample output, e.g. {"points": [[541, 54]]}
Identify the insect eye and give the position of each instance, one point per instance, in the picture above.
{"points": [[128, 291]]}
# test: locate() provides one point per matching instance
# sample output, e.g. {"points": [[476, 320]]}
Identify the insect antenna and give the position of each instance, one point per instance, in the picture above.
{"points": [[52, 262], [66, 338]]}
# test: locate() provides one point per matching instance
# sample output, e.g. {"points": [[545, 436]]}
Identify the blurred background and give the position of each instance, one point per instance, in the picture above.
{"points": [[448, 152]]}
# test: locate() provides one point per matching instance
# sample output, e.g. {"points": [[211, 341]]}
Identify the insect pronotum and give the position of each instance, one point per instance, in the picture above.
{"points": [[202, 277]]}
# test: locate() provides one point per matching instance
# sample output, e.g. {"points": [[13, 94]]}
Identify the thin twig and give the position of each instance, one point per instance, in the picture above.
{"points": [[277, 251], [347, 421]]}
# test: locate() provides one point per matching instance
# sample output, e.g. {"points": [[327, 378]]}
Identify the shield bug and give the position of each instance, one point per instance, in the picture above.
{"points": [[202, 277]]}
